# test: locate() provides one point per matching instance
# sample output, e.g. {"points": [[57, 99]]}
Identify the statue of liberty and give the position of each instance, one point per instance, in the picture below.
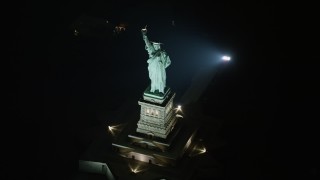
{"points": [[158, 61]]}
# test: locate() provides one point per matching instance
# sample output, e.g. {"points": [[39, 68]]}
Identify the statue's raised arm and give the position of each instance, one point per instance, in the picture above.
{"points": [[148, 46], [158, 61]]}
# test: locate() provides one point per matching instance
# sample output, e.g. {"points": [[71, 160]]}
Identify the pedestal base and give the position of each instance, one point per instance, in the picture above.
{"points": [[158, 151]]}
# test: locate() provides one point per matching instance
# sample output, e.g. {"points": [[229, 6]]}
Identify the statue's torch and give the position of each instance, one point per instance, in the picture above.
{"points": [[144, 30]]}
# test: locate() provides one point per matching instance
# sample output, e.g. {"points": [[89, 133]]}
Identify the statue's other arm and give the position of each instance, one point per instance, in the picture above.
{"points": [[167, 59]]}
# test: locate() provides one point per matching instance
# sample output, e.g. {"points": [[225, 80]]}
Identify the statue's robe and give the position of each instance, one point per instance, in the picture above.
{"points": [[158, 61]]}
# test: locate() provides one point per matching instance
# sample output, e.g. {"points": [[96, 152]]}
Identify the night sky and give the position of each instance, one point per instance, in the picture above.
{"points": [[60, 84]]}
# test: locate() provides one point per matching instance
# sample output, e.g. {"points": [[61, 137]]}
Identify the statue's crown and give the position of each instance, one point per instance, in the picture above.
{"points": [[157, 43]]}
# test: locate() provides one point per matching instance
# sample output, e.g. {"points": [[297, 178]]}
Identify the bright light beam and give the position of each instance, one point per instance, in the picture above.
{"points": [[226, 58]]}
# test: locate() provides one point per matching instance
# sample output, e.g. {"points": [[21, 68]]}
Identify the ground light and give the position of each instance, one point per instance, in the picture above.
{"points": [[115, 129], [178, 108]]}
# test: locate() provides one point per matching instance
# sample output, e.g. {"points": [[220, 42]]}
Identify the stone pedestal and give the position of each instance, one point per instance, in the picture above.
{"points": [[160, 136], [157, 117]]}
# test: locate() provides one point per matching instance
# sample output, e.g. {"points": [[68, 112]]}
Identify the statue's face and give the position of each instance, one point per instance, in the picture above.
{"points": [[156, 46]]}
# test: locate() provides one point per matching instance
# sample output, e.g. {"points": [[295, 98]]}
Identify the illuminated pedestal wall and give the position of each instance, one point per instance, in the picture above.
{"points": [[157, 117]]}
